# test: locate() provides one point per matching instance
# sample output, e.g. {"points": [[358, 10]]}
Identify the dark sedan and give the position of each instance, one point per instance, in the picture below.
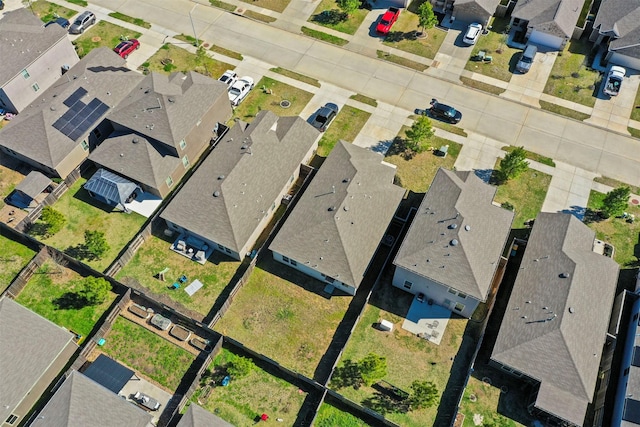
{"points": [[325, 116], [444, 112], [63, 22]]}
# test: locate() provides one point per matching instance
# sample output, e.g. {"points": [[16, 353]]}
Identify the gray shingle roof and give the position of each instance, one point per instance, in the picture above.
{"points": [[23, 39], [146, 161], [621, 19], [339, 231], [556, 17], [559, 343], [246, 180], [24, 333], [81, 401], [488, 5], [199, 417], [33, 184], [457, 235], [112, 187], [166, 108], [102, 73]]}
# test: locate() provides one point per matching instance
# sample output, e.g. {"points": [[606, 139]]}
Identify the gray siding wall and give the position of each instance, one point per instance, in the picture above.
{"points": [[44, 71], [314, 273], [438, 293]]}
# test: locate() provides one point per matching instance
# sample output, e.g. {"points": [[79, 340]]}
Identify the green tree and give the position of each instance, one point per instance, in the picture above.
{"points": [[54, 220], [372, 368], [513, 164], [419, 134], [616, 202], [426, 18], [240, 367], [424, 394], [95, 244], [348, 6], [95, 290]]}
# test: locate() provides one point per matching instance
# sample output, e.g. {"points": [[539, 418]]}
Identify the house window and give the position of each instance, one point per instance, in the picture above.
{"points": [[452, 291], [25, 74], [97, 133], [12, 419], [169, 182], [329, 279], [462, 295], [291, 179], [459, 307], [273, 206], [185, 162], [293, 263], [407, 284], [227, 250], [35, 87], [635, 317], [285, 259], [85, 145], [626, 372], [183, 144], [220, 247], [199, 121]]}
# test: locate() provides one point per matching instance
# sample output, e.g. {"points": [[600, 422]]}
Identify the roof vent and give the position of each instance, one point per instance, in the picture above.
{"points": [[135, 140], [147, 90], [467, 227], [52, 108], [346, 180], [454, 242], [453, 226], [221, 177], [572, 310], [171, 99], [564, 275], [121, 154], [331, 208], [346, 208], [243, 147], [216, 194]]}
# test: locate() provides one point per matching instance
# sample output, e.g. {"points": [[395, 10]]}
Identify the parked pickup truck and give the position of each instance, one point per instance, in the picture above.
{"points": [[387, 20], [614, 80]]}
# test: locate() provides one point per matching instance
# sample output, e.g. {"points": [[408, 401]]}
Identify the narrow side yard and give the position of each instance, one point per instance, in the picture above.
{"points": [[13, 258], [50, 293], [102, 34], [284, 315], [526, 193]]}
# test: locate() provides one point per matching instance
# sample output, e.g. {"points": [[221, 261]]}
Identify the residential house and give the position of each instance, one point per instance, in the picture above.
{"points": [[338, 223], [162, 127], [468, 10], [33, 352], [29, 192], [82, 402], [234, 193], [556, 321], [196, 416], [33, 56], [548, 23], [55, 133], [617, 29], [452, 249]]}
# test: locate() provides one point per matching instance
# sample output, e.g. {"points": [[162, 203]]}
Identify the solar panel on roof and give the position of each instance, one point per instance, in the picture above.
{"points": [[80, 118], [75, 134], [75, 97]]}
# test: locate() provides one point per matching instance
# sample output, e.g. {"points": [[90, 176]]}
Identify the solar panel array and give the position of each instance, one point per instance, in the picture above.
{"points": [[80, 117]]}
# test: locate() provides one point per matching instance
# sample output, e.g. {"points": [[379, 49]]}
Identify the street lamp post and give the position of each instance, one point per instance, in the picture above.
{"points": [[193, 26]]}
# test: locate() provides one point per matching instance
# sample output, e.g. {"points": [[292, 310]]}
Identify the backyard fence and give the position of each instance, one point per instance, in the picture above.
{"points": [[21, 280]]}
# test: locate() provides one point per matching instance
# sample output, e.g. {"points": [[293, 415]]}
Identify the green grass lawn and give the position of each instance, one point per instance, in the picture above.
{"points": [[570, 79], [102, 34], [296, 76], [364, 99], [615, 183], [287, 306], [275, 5], [408, 357], [495, 45], [183, 60], [347, 125], [635, 112], [9, 176], [154, 255], [147, 353], [259, 16], [485, 87], [223, 5], [403, 34], [484, 399], [47, 11], [416, 174], [563, 111], [526, 193], [259, 99], [245, 398], [329, 38], [84, 213], [126, 18], [330, 416], [13, 259], [349, 26], [533, 156], [226, 52], [405, 62], [48, 286]]}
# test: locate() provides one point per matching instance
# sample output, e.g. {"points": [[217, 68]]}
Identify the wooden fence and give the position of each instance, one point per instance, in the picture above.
{"points": [[21, 280]]}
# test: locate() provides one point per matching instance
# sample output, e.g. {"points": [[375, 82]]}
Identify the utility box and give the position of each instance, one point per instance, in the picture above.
{"points": [[385, 325]]}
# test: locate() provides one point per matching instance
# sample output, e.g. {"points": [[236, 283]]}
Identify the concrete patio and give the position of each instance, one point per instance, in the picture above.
{"points": [[427, 321]]}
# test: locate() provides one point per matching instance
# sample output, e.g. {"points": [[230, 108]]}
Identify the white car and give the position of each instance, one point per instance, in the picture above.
{"points": [[228, 78], [239, 90], [473, 33]]}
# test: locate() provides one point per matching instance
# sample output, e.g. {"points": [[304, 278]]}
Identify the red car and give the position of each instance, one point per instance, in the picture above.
{"points": [[387, 20], [126, 47]]}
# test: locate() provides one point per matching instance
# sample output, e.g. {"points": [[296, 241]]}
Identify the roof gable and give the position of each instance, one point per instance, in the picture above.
{"points": [[199, 417], [557, 17]]}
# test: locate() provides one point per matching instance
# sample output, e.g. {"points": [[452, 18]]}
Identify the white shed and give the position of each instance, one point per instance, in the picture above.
{"points": [[385, 325]]}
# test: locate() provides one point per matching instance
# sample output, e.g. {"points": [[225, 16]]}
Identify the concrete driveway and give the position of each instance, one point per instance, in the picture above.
{"points": [[613, 112], [527, 88]]}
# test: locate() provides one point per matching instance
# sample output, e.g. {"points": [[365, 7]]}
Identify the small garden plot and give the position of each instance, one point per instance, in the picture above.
{"points": [[570, 77], [169, 59], [103, 34], [270, 94], [525, 193], [250, 393], [82, 213], [408, 358], [494, 44], [347, 125], [329, 15], [291, 309], [55, 292], [49, 11], [330, 416], [13, 259], [154, 256], [147, 353]]}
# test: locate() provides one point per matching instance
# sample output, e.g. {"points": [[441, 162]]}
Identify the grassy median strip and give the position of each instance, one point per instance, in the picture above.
{"points": [[82, 3], [223, 5], [226, 52], [296, 76], [634, 132], [532, 156], [402, 61], [364, 99], [259, 16], [485, 87], [323, 36], [126, 18], [615, 183], [563, 111]]}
